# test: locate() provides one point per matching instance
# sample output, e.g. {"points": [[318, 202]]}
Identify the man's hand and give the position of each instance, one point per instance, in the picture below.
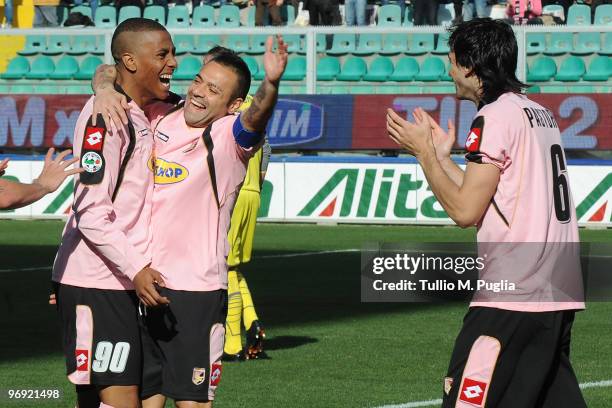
{"points": [[443, 142], [279, 3], [3, 166], [414, 137], [113, 106], [145, 289], [54, 171], [275, 62]]}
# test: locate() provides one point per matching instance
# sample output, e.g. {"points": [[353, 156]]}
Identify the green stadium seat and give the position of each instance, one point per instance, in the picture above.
{"points": [[84, 10], [389, 15], [229, 16], [34, 44], [178, 17], [446, 74], [296, 69], [420, 44], [258, 44], [406, 69], [62, 14], [321, 41], [184, 43], [155, 12], [100, 46], [205, 43], [560, 43], [394, 44], [599, 69], [536, 43], [287, 13], [579, 14], [442, 47], [57, 44], [342, 44], [250, 17], [379, 70], [66, 67], [554, 10], [603, 14], [431, 70], [188, 68], [328, 68], [294, 42], [408, 17], [126, 12], [17, 68], [41, 68], [203, 17], [106, 17], [87, 68], [238, 43], [587, 43], [542, 70], [82, 44], [571, 69], [368, 44], [252, 64], [606, 48]]}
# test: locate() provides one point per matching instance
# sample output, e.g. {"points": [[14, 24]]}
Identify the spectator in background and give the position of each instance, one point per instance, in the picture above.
{"points": [[355, 12], [196, 3], [93, 4], [522, 11], [273, 7], [8, 14], [458, 8], [478, 6], [324, 12], [401, 3], [425, 12], [123, 3]]}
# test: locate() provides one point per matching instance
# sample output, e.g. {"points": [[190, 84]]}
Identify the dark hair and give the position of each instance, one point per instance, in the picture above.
{"points": [[488, 48], [230, 59], [218, 50], [131, 25]]}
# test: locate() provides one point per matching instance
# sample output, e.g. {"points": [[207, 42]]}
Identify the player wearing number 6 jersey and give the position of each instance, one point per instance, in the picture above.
{"points": [[513, 349]]}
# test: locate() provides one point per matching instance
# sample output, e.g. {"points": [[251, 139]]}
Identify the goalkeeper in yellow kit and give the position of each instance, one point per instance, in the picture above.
{"points": [[240, 237]]}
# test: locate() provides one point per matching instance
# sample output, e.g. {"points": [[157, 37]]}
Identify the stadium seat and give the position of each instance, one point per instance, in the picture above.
{"points": [[379, 70], [41, 68], [571, 69], [17, 68], [554, 10], [57, 44], [126, 12], [389, 15], [599, 69], [442, 47], [294, 42], [184, 43], [258, 44], [296, 69], [252, 64], [327, 68], [287, 13], [603, 14], [579, 14], [178, 17], [408, 17], [87, 68], [536, 43], [543, 69], [66, 67], [587, 43], [560, 43], [229, 16], [155, 12], [321, 41], [106, 17], [342, 44], [34, 45], [406, 69], [431, 70], [353, 69], [82, 44], [420, 44], [446, 74], [84, 10], [368, 44], [100, 47], [205, 43], [238, 43], [188, 68], [394, 44], [203, 17], [606, 48], [250, 17]]}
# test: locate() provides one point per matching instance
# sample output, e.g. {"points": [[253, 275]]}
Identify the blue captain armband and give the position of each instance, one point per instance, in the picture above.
{"points": [[245, 138]]}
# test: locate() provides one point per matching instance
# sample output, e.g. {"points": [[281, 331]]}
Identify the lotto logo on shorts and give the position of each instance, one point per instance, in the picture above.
{"points": [[82, 359], [473, 392], [215, 374], [94, 137]]}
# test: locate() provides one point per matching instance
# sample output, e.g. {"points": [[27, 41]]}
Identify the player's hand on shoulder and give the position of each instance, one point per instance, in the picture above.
{"points": [[113, 107], [275, 62], [55, 171], [144, 283]]}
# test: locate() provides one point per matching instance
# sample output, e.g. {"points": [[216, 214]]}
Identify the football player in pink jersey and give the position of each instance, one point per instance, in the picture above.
{"points": [[513, 349]]}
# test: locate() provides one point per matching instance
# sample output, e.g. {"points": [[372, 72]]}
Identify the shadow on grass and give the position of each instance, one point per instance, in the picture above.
{"points": [[288, 342]]}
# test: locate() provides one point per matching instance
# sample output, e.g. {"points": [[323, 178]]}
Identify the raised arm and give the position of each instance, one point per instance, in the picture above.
{"points": [[111, 104]]}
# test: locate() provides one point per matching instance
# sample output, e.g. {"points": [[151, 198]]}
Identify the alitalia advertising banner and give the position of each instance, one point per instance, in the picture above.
{"points": [[303, 191]]}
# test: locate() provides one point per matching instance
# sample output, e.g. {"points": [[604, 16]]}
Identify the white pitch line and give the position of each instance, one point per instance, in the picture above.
{"points": [[297, 254], [437, 402]]}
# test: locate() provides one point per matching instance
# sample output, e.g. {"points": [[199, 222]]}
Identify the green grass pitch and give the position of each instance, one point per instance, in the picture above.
{"points": [[327, 348]]}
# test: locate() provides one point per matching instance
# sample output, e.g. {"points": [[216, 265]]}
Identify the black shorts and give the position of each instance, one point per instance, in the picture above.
{"points": [[508, 359], [182, 345], [100, 335]]}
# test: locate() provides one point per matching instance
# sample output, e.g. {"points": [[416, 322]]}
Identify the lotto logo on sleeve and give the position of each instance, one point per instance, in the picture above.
{"points": [[94, 138], [474, 139], [82, 360], [215, 374], [473, 392]]}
